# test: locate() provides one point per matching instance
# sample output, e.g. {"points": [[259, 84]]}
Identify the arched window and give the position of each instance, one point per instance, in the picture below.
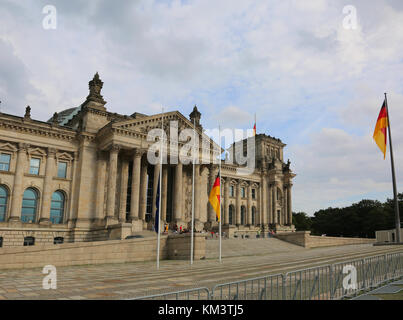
{"points": [[29, 205], [231, 214], [57, 207], [243, 211], [3, 203], [253, 216]]}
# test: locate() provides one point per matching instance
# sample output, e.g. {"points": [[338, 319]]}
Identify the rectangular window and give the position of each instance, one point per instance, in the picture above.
{"points": [[243, 192], [231, 191], [62, 170], [253, 193], [34, 166], [5, 162]]}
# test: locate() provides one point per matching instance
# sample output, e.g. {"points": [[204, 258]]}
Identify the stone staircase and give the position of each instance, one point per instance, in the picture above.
{"points": [[245, 247]]}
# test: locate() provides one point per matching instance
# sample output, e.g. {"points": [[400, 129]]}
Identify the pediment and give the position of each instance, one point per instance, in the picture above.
{"points": [[145, 124], [37, 152], [64, 156], [8, 147]]}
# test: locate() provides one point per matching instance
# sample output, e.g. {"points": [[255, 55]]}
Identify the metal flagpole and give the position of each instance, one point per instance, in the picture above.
{"points": [[193, 193], [397, 216], [160, 178], [219, 171]]}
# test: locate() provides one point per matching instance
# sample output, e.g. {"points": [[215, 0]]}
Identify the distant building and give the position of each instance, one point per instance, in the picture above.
{"points": [[84, 176]]}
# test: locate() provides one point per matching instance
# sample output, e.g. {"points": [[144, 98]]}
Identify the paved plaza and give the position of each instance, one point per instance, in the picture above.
{"points": [[122, 281]]}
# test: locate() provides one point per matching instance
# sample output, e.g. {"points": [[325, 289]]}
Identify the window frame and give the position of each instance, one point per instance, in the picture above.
{"points": [[31, 166], [5, 203], [65, 169], [4, 163], [35, 207], [61, 209]]}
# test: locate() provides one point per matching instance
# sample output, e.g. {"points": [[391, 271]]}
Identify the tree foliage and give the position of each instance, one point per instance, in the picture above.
{"points": [[360, 219]]}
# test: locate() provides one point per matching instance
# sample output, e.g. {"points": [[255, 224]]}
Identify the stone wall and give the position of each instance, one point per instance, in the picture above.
{"points": [[305, 239], [112, 251]]}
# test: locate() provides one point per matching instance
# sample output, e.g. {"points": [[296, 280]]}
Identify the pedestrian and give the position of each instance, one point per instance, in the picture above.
{"points": [[180, 229]]}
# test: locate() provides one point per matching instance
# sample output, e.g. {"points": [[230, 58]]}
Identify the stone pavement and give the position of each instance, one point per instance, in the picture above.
{"points": [[120, 281], [387, 292]]}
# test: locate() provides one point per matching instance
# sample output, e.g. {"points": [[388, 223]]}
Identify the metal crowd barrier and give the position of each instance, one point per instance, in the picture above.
{"points": [[262, 288], [317, 283], [190, 294]]}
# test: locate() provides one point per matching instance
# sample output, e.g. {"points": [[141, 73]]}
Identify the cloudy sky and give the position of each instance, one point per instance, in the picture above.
{"points": [[313, 83]]}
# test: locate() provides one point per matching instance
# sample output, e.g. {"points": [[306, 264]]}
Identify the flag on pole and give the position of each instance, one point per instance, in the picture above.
{"points": [[380, 133], [214, 197], [254, 127], [157, 206]]}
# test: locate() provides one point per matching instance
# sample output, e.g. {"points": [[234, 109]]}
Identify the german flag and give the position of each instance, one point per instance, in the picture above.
{"points": [[254, 129], [380, 134], [214, 197]]}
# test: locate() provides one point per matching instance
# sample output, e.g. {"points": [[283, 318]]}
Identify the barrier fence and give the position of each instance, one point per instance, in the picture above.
{"points": [[329, 282]]}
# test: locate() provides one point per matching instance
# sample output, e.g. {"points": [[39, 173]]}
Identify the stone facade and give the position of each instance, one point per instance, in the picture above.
{"points": [[84, 176]]}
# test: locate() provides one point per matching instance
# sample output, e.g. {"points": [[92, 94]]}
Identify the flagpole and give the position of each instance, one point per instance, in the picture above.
{"points": [[160, 184], [219, 171], [397, 216], [193, 193]]}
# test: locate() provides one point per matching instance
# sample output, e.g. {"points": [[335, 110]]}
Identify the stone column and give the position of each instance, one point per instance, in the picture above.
{"points": [[203, 194], [164, 193], [264, 199], [178, 194], [248, 206], [269, 205], [135, 187], [155, 188], [72, 203], [143, 191], [47, 186], [100, 196], [112, 174], [285, 206], [16, 203], [213, 175], [124, 181], [238, 203], [275, 204], [197, 193], [289, 205], [226, 201]]}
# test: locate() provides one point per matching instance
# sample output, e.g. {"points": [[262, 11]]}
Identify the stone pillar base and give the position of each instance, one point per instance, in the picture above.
{"points": [[198, 226], [137, 225], [111, 221], [119, 231]]}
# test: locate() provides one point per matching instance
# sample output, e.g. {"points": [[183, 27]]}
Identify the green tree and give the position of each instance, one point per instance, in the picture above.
{"points": [[301, 221]]}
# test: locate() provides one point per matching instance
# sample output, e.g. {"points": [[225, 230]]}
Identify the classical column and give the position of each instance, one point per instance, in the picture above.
{"points": [[248, 206], [72, 206], [213, 175], [113, 167], [275, 215], [238, 203], [226, 201], [124, 181], [101, 177], [164, 193], [143, 191], [18, 191], [289, 206], [203, 194], [47, 186], [285, 205], [178, 193], [197, 192], [264, 199], [135, 187], [155, 188]]}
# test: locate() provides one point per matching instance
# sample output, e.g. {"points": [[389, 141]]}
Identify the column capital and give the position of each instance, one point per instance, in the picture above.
{"points": [[138, 152], [23, 146], [52, 152], [115, 148]]}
